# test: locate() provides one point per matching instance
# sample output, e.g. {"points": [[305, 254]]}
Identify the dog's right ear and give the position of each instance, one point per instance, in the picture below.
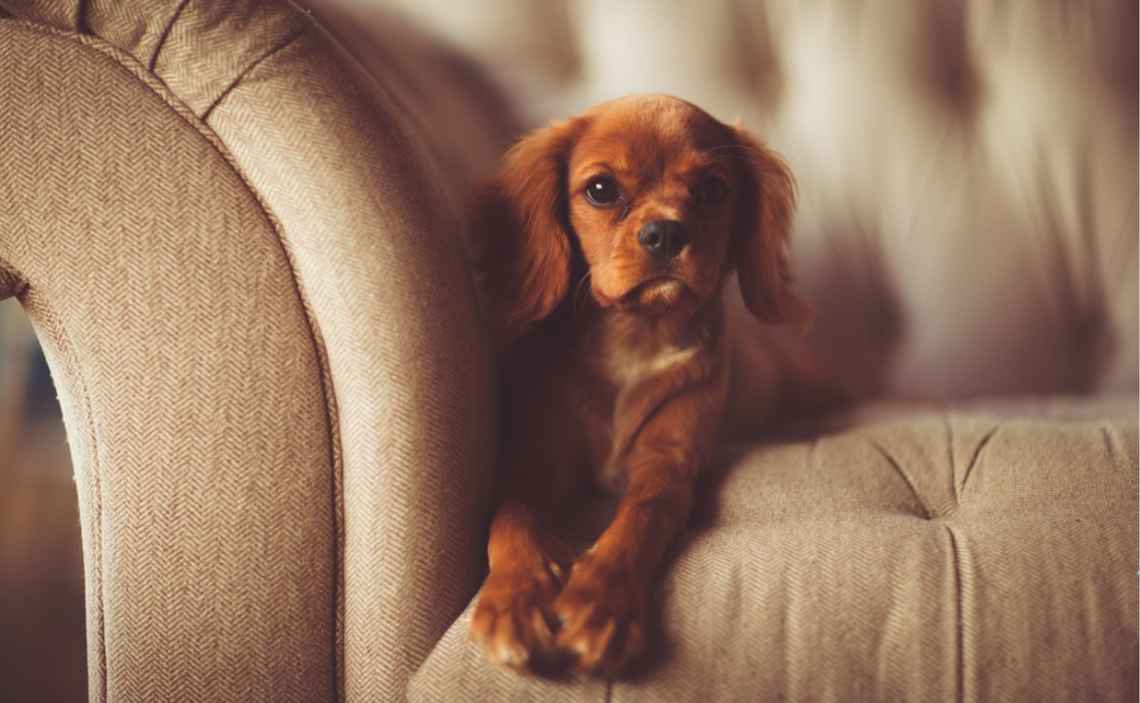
{"points": [[519, 234], [765, 222]]}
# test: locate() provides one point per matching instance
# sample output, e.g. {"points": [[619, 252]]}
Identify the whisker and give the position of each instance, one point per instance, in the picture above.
{"points": [[578, 290], [742, 147]]}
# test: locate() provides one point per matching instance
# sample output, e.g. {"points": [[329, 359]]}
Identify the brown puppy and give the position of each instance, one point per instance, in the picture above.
{"points": [[645, 205]]}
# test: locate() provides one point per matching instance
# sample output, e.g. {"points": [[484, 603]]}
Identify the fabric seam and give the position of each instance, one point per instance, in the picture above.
{"points": [[959, 621], [156, 86], [977, 455], [82, 26], [245, 71], [929, 514], [153, 61]]}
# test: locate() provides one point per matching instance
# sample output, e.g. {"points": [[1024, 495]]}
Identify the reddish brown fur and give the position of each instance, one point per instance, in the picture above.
{"points": [[618, 378]]}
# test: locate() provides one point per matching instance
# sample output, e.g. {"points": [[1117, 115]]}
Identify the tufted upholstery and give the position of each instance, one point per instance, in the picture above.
{"points": [[966, 171], [237, 247], [979, 552], [967, 227]]}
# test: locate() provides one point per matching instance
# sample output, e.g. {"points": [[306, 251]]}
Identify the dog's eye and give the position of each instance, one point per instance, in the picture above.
{"points": [[711, 190], [602, 191]]}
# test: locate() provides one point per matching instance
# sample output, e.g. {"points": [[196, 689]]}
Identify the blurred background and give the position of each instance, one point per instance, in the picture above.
{"points": [[968, 188], [42, 650]]}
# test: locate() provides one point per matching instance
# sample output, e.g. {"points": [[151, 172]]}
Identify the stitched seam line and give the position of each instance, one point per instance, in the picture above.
{"points": [[977, 455], [930, 514], [245, 71], [166, 34], [336, 458], [81, 24], [959, 624], [156, 86]]}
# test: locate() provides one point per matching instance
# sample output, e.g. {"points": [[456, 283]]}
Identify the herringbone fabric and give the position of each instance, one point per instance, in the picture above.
{"points": [[311, 419], [189, 378], [411, 374], [199, 49], [981, 553], [241, 255]]}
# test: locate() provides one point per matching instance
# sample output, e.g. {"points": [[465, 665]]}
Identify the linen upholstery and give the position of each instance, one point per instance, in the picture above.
{"points": [[239, 253], [979, 552], [237, 250], [967, 227], [178, 429]]}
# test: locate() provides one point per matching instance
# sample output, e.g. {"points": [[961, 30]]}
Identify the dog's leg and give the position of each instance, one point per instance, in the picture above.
{"points": [[513, 619], [603, 607]]}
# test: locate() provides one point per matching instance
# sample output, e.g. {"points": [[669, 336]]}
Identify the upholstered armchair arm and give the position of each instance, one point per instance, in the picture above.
{"points": [[240, 263]]}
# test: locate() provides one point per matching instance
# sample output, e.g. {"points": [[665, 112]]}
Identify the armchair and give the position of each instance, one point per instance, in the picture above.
{"points": [[239, 250]]}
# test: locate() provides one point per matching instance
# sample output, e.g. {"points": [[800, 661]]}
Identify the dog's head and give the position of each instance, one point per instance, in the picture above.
{"points": [[660, 199]]}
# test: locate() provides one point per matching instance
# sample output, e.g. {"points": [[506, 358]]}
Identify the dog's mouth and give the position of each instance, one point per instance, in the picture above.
{"points": [[658, 294]]}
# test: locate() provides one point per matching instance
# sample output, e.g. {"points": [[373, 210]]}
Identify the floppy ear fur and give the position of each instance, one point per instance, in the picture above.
{"points": [[520, 236], [763, 230]]}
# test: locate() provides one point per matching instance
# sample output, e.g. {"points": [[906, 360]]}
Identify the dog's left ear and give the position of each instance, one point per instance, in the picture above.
{"points": [[763, 228]]}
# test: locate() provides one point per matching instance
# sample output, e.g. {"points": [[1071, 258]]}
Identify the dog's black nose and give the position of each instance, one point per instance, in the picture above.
{"points": [[663, 238]]}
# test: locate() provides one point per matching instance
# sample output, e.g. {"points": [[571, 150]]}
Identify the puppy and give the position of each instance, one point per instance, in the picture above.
{"points": [[603, 247]]}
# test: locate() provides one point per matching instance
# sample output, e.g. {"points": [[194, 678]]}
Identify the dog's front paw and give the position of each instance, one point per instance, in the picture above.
{"points": [[602, 615], [512, 620]]}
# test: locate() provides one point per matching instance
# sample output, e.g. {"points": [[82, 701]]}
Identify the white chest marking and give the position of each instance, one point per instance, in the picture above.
{"points": [[631, 367]]}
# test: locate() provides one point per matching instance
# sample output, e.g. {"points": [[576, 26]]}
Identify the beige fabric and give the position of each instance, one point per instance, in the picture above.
{"points": [[974, 554], [465, 121], [197, 48], [967, 170], [968, 226], [240, 255], [281, 430], [412, 378], [189, 380]]}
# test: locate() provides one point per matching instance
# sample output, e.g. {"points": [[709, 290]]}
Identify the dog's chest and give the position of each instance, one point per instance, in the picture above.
{"points": [[624, 367], [627, 366]]}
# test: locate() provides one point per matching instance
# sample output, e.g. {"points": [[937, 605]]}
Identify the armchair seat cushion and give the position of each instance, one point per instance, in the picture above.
{"points": [[981, 552]]}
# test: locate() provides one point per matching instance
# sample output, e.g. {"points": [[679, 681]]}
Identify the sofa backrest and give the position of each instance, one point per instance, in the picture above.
{"points": [[967, 170]]}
